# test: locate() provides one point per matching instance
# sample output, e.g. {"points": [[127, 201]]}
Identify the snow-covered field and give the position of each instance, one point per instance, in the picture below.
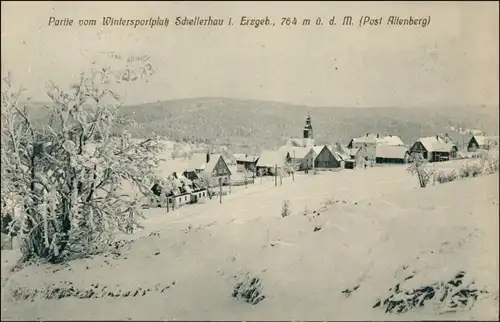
{"points": [[351, 236]]}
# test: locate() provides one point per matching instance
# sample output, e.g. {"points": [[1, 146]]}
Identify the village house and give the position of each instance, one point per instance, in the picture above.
{"points": [[460, 140], [342, 151], [392, 154], [177, 191], [434, 149], [303, 158], [269, 161], [247, 163], [369, 143], [363, 147], [481, 142], [307, 139], [326, 158], [213, 165]]}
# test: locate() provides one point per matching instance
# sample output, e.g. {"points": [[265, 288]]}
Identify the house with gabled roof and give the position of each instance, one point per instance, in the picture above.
{"points": [[363, 147], [434, 149], [213, 165], [247, 163], [271, 160], [326, 158], [175, 191], [303, 158], [392, 154], [482, 142], [366, 146]]}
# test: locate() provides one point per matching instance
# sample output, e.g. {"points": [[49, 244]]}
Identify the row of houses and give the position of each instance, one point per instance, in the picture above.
{"points": [[302, 154], [190, 185], [298, 158]]}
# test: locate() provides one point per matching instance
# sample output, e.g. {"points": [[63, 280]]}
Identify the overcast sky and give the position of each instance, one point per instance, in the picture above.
{"points": [[452, 62]]}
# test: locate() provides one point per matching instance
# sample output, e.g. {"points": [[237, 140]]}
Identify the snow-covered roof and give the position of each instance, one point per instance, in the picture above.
{"points": [[331, 149], [178, 184], [338, 156], [210, 166], [251, 158], [436, 144], [486, 140], [270, 158], [198, 161], [287, 148], [391, 151], [370, 138], [300, 153], [390, 140], [341, 150], [317, 149], [373, 139]]}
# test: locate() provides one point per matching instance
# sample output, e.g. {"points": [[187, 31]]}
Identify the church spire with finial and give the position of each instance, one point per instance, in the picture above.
{"points": [[308, 129]]}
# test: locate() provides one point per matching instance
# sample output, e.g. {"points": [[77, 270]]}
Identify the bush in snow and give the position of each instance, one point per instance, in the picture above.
{"points": [[493, 165], [64, 177], [249, 290], [491, 161], [418, 168], [285, 209], [447, 296], [471, 170], [443, 177]]}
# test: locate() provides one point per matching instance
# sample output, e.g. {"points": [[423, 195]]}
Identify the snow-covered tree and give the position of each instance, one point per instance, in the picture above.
{"points": [[66, 175], [418, 168], [287, 168]]}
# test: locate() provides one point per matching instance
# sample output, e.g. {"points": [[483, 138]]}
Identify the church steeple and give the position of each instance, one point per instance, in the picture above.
{"points": [[308, 129]]}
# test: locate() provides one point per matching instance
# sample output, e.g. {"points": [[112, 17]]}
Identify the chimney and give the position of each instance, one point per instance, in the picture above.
{"points": [[377, 136], [437, 137], [208, 157], [367, 134]]}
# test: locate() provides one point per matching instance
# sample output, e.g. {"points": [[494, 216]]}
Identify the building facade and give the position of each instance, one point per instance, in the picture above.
{"points": [[326, 159]]}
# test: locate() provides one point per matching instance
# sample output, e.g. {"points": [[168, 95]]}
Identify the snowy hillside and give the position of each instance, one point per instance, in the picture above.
{"points": [[354, 243]]}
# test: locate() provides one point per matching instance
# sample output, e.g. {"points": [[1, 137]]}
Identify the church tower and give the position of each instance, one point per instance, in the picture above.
{"points": [[308, 129]]}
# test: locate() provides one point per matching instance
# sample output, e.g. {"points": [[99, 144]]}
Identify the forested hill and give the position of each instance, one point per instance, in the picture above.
{"points": [[268, 124], [261, 124]]}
